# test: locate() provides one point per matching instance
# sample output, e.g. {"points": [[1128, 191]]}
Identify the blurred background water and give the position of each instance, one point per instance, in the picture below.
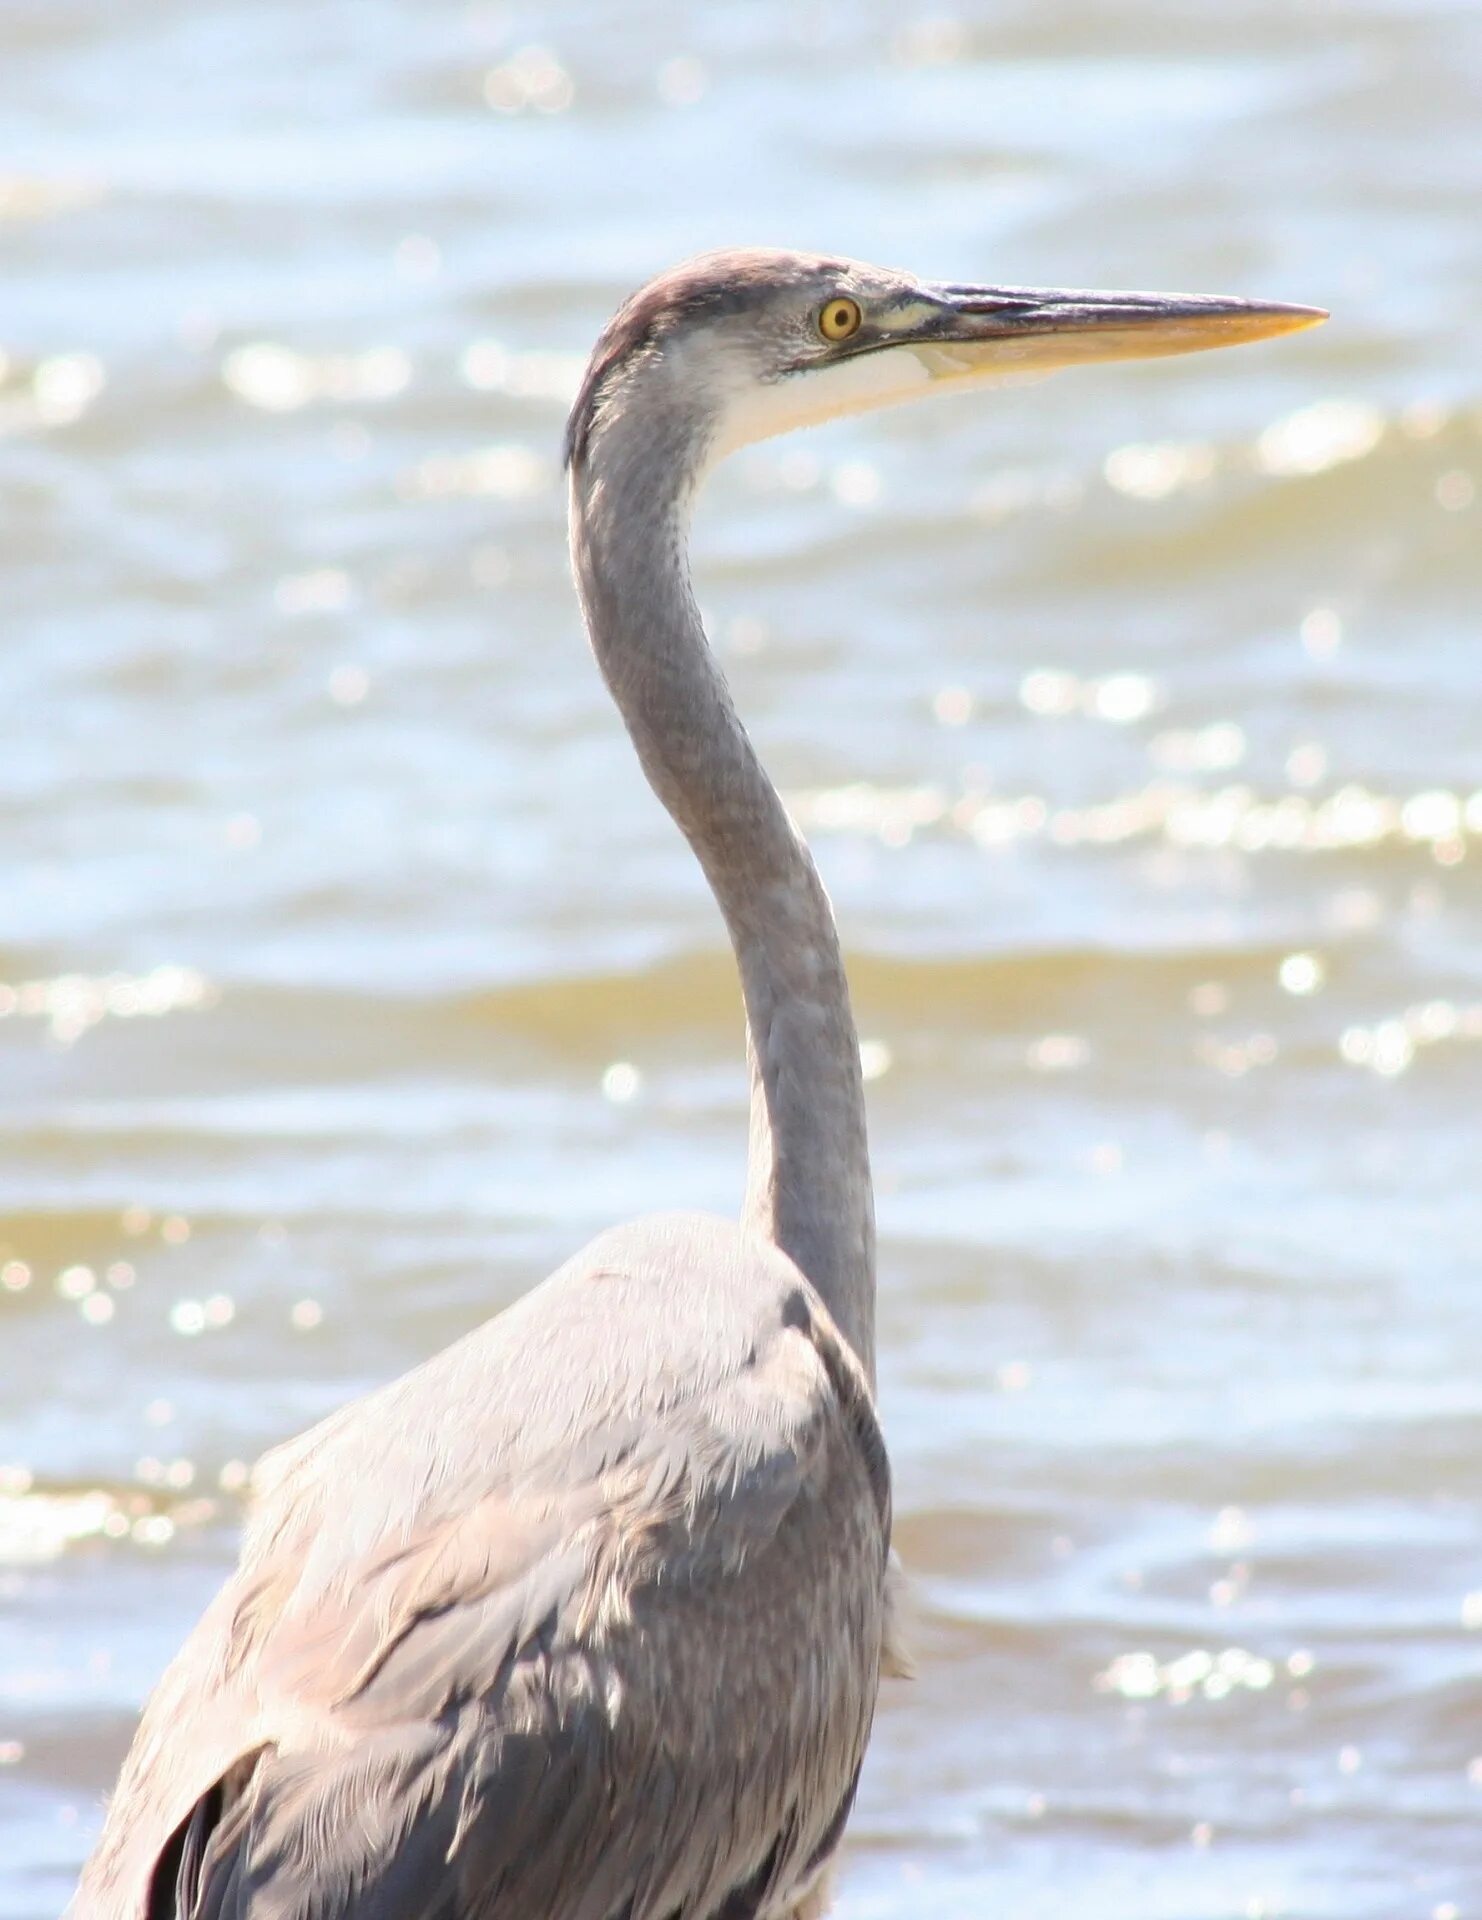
{"points": [[350, 976]]}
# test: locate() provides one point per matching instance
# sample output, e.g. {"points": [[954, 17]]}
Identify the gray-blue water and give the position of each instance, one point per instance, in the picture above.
{"points": [[350, 976]]}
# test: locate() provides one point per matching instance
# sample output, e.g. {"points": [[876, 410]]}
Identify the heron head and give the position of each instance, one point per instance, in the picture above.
{"points": [[751, 343]]}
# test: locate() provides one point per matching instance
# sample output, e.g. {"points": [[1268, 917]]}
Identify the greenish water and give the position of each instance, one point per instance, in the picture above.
{"points": [[350, 976]]}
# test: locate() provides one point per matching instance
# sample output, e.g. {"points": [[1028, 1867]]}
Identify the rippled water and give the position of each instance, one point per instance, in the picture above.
{"points": [[349, 976]]}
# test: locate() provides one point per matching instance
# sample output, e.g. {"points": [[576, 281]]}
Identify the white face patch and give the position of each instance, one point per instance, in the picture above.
{"points": [[758, 411], [882, 378]]}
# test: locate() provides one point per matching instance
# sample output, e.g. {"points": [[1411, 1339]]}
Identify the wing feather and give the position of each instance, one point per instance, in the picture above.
{"points": [[531, 1685]]}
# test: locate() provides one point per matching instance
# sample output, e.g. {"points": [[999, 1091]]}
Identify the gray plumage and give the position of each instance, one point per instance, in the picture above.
{"points": [[459, 1667], [584, 1618]]}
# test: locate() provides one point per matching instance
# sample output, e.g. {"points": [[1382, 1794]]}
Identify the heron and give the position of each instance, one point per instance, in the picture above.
{"points": [[585, 1617]]}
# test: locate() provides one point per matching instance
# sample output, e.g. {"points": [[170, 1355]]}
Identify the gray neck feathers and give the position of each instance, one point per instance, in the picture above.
{"points": [[809, 1179]]}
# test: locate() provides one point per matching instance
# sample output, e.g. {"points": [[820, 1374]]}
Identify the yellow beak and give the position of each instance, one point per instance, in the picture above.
{"points": [[957, 332]]}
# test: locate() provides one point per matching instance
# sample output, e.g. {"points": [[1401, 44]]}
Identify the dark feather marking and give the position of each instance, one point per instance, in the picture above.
{"points": [[834, 1832]]}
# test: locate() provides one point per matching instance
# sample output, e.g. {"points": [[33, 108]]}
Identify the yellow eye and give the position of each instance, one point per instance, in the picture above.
{"points": [[838, 318]]}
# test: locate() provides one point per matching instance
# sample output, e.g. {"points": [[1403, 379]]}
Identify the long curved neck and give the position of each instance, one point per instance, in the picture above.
{"points": [[808, 1188]]}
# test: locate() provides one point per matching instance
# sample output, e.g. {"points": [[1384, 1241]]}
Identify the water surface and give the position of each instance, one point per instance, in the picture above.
{"points": [[350, 976]]}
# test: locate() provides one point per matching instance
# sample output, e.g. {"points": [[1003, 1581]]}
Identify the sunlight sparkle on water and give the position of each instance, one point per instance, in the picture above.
{"points": [[537, 374], [1320, 436], [190, 1317], [1212, 749], [1154, 472], [37, 1526], [621, 1083], [280, 379], [530, 81], [1389, 1046], [1058, 1053], [1118, 697], [65, 386], [506, 472], [1301, 973], [71, 1003], [1142, 1676], [1322, 632], [1187, 817]]}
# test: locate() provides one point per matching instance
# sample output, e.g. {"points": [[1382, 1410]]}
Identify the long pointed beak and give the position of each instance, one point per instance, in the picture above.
{"points": [[945, 339], [994, 330]]}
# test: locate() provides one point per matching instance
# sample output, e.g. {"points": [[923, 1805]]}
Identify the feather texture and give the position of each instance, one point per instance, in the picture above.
{"points": [[481, 1683]]}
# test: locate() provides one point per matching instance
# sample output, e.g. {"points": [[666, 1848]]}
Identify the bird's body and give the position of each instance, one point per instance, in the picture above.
{"points": [[472, 1673], [584, 1618]]}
